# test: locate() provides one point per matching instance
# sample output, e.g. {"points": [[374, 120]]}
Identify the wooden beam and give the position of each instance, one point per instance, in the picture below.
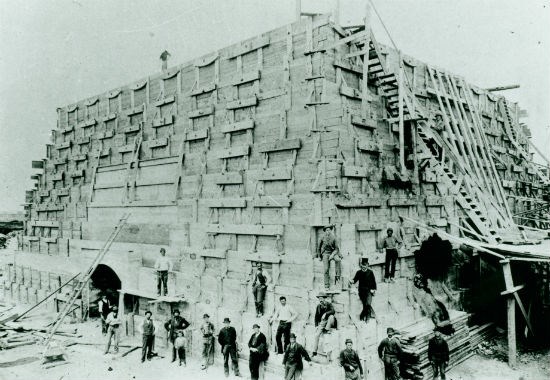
{"points": [[502, 88]]}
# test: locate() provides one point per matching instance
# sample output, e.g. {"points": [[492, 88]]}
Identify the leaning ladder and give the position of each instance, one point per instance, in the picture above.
{"points": [[82, 283]]}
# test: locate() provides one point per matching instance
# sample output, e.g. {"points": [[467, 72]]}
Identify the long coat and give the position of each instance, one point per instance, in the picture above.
{"points": [[260, 343]]}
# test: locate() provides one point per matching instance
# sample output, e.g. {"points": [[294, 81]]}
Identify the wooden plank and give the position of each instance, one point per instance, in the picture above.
{"points": [[369, 227], [275, 174], [163, 141], [233, 152], [109, 117], [63, 145], [69, 129], [354, 171], [43, 193], [126, 148], [211, 252], [246, 229], [248, 77], [196, 135], [356, 69], [204, 89], [392, 202], [272, 202], [162, 121], [44, 223], [59, 161], [367, 123], [166, 100], [135, 110], [249, 46], [133, 128], [238, 126], [263, 257], [224, 203], [77, 173], [229, 178], [82, 140], [369, 146], [204, 111], [360, 203], [205, 61], [241, 103], [79, 157], [434, 200], [87, 123], [63, 192], [350, 92], [279, 145], [105, 135], [57, 176]]}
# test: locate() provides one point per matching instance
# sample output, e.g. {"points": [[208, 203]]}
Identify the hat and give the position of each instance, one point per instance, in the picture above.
{"points": [[292, 335], [327, 227], [226, 320], [206, 316], [255, 325], [390, 331], [322, 295], [349, 341], [176, 311], [364, 261]]}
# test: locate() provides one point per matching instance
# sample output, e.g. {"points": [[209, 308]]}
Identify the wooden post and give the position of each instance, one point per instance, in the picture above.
{"points": [[401, 121], [298, 10], [511, 307], [337, 13]]}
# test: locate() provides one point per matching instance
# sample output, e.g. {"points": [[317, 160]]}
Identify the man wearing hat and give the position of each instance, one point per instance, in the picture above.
{"points": [[148, 335], [390, 351], [113, 324], [349, 360], [104, 308], [259, 286], [324, 319], [227, 338], [438, 354], [328, 252], [292, 360], [257, 344], [207, 330], [172, 326], [366, 288]]}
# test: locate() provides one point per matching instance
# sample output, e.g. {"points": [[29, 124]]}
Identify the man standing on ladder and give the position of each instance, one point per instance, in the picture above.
{"points": [[163, 265]]}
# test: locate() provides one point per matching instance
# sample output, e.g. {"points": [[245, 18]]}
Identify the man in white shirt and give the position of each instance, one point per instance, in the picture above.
{"points": [[113, 322], [285, 314], [162, 265]]}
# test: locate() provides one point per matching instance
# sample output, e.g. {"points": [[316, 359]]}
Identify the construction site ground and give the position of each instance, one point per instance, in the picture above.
{"points": [[87, 361]]}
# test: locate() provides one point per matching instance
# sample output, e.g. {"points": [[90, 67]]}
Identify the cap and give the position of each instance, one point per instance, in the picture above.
{"points": [[292, 335], [206, 316], [349, 341], [390, 331], [255, 325], [226, 320]]}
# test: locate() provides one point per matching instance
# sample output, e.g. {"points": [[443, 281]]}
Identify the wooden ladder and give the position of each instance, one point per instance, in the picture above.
{"points": [[83, 283]]}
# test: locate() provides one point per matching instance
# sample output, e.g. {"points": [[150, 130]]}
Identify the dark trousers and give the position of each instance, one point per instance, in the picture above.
{"points": [[162, 280], [391, 368], [259, 297], [103, 325], [181, 355], [283, 330], [229, 350], [366, 299], [391, 260], [254, 365], [439, 368], [147, 346]]}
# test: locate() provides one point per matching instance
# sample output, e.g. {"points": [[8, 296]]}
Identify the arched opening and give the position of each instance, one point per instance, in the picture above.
{"points": [[104, 281]]}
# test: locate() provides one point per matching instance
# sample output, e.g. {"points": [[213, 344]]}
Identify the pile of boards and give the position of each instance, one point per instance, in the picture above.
{"points": [[462, 343]]}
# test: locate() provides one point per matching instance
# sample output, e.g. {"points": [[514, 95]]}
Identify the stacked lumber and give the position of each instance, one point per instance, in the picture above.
{"points": [[462, 343]]}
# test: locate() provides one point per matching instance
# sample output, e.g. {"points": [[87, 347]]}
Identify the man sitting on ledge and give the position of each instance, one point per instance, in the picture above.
{"points": [[324, 319]]}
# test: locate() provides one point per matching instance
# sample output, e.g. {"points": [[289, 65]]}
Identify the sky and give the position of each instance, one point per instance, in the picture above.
{"points": [[56, 52]]}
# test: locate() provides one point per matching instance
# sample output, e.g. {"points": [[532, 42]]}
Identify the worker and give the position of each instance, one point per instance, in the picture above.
{"points": [[175, 323], [259, 287], [390, 352], [325, 319], [292, 361], [438, 354], [104, 308], [113, 325], [180, 344], [391, 245], [163, 265], [328, 252], [207, 330], [259, 352], [349, 360], [227, 338], [285, 314], [148, 334], [366, 288]]}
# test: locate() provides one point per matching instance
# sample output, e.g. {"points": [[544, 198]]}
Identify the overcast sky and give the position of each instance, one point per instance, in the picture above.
{"points": [[56, 52]]}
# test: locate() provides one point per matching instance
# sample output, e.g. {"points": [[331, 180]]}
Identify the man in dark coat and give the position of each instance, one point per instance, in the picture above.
{"points": [[351, 363], [227, 338], [148, 330], [174, 324], [292, 360], [259, 287], [438, 354], [258, 352], [366, 288], [324, 319], [390, 352]]}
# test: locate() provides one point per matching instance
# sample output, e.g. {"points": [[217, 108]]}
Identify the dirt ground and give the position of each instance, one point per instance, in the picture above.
{"points": [[88, 361]]}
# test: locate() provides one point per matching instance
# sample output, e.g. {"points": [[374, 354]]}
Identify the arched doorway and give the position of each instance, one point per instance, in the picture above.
{"points": [[104, 280]]}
